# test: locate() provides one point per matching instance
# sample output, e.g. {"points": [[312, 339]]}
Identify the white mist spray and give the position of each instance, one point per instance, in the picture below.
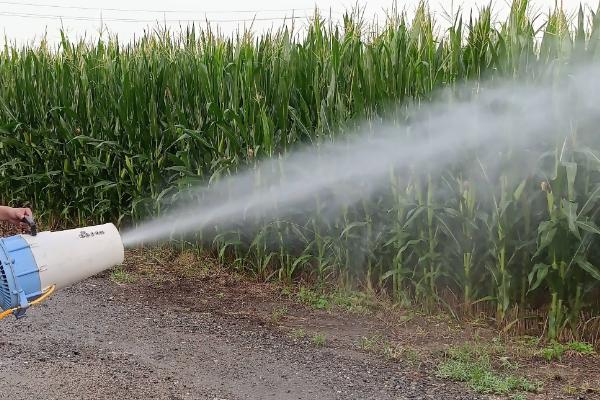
{"points": [[433, 136]]}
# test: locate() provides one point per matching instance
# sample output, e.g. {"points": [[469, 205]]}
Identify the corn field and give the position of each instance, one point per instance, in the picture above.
{"points": [[104, 131]]}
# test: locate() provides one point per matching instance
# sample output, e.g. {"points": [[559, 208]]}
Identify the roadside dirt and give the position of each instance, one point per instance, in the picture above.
{"points": [[170, 326]]}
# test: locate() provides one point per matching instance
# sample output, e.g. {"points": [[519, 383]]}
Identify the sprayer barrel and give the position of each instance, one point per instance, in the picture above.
{"points": [[31, 264]]}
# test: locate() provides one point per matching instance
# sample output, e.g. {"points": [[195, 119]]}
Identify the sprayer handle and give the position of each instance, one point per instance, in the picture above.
{"points": [[28, 219]]}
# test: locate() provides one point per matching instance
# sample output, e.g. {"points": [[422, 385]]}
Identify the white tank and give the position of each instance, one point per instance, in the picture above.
{"points": [[66, 257]]}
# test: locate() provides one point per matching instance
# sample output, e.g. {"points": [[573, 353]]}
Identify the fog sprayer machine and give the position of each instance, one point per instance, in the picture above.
{"points": [[34, 265]]}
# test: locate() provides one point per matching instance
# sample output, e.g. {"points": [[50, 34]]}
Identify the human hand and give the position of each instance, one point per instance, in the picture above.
{"points": [[15, 215]]}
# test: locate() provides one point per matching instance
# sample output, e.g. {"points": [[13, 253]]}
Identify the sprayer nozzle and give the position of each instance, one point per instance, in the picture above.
{"points": [[32, 226]]}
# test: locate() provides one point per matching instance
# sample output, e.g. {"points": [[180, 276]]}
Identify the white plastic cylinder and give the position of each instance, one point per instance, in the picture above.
{"points": [[67, 257]]}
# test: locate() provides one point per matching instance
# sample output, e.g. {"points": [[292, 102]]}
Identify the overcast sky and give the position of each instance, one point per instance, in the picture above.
{"points": [[27, 20]]}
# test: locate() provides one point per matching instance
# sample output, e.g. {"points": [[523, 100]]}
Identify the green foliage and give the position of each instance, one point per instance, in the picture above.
{"points": [[313, 299], [319, 339], [278, 313], [474, 366], [556, 350], [581, 347], [119, 275], [370, 343], [298, 333]]}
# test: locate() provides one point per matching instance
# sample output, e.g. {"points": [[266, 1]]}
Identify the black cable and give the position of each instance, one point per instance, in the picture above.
{"points": [[18, 3], [101, 19]]}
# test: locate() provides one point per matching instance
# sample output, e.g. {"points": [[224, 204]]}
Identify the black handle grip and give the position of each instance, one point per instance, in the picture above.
{"points": [[28, 219]]}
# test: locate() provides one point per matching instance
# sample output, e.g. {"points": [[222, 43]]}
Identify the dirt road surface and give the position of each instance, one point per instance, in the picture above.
{"points": [[101, 340]]}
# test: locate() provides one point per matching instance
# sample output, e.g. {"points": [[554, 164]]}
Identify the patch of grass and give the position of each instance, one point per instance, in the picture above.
{"points": [[355, 302], [370, 343], [188, 264], [481, 377], [193, 271], [352, 301], [409, 316], [507, 364], [581, 347], [411, 356], [570, 390], [378, 344], [121, 276], [319, 339], [528, 341], [473, 365], [395, 352], [287, 291], [278, 313], [313, 299], [298, 333], [583, 389], [556, 350]]}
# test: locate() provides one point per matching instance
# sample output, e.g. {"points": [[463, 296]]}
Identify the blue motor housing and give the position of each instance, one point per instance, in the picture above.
{"points": [[19, 275]]}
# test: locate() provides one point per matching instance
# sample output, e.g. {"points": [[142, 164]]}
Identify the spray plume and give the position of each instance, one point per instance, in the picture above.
{"points": [[482, 121]]}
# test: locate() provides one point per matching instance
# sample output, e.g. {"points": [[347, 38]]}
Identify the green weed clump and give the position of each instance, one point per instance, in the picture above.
{"points": [[474, 366], [121, 276], [319, 339], [556, 350]]}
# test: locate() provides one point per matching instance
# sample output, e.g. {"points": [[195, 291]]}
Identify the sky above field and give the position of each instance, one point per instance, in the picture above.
{"points": [[25, 21]]}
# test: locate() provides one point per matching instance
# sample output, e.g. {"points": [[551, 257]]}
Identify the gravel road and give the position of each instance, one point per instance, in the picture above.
{"points": [[100, 340]]}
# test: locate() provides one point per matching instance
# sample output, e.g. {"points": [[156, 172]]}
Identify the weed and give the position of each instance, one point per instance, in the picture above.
{"points": [[410, 355], [121, 276], [298, 333], [378, 344], [528, 341], [392, 352], [581, 348], [313, 299], [585, 388], [474, 366], [369, 343], [506, 363], [556, 350], [193, 271], [278, 313], [318, 339], [352, 301], [188, 264], [553, 352], [570, 390]]}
